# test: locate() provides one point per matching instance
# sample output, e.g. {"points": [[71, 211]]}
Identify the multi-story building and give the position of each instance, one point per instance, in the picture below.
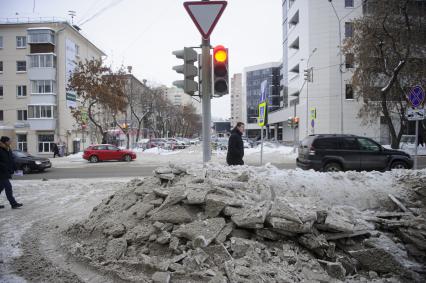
{"points": [[252, 79], [179, 98], [236, 99], [311, 41], [35, 61]]}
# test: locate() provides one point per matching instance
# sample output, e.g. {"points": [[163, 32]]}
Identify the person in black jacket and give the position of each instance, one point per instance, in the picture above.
{"points": [[7, 167], [236, 146]]}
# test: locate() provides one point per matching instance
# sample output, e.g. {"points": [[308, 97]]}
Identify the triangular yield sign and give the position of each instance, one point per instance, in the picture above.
{"points": [[205, 14]]}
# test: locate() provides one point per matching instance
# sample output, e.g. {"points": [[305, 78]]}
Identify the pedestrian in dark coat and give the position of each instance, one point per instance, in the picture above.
{"points": [[7, 168], [55, 150], [236, 146]]}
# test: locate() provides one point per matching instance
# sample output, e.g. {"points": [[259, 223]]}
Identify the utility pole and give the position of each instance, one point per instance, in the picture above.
{"points": [[206, 94], [339, 20]]}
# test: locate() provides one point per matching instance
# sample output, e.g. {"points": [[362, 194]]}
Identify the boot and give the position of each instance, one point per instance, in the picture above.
{"points": [[17, 205]]}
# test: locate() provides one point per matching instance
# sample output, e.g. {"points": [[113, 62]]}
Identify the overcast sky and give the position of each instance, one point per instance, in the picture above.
{"points": [[144, 33]]}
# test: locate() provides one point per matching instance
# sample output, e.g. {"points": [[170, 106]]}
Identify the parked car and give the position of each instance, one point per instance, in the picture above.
{"points": [[27, 163], [106, 152], [156, 143], [176, 144], [348, 152]]}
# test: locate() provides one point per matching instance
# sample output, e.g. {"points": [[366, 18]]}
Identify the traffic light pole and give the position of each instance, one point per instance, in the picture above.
{"points": [[206, 93]]}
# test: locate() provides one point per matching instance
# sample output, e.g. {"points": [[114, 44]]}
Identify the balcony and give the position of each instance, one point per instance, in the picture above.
{"points": [[42, 124], [41, 36], [43, 98], [42, 67]]}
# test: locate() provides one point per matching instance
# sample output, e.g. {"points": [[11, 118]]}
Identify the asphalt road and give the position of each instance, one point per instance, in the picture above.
{"points": [[120, 169]]}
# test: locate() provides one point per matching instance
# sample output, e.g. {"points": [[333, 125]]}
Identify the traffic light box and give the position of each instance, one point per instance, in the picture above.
{"points": [[188, 70], [293, 122], [220, 70]]}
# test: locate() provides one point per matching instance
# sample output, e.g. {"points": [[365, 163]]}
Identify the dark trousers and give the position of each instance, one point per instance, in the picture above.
{"points": [[7, 186]]}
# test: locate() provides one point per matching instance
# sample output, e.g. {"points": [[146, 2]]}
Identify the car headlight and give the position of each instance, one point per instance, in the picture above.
{"points": [[38, 162]]}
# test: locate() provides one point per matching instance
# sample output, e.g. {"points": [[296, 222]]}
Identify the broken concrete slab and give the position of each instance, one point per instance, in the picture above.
{"points": [[197, 193], [174, 196], [252, 217], [225, 232], [208, 229], [163, 170], [337, 221], [290, 226], [176, 214]]}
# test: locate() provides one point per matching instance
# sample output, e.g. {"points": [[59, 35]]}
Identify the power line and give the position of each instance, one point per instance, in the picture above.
{"points": [[101, 11]]}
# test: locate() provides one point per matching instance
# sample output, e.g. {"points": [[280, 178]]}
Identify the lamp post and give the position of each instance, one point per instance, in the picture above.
{"points": [[339, 20], [308, 79]]}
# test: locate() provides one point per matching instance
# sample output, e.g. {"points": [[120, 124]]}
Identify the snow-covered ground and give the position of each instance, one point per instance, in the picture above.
{"points": [[272, 153]]}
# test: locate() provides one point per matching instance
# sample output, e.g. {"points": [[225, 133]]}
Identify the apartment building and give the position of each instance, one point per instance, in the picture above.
{"points": [[179, 98], [252, 79], [36, 58], [236, 99], [311, 42]]}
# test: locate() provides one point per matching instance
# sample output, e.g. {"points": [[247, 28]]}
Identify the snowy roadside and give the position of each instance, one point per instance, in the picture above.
{"points": [[272, 153], [62, 201]]}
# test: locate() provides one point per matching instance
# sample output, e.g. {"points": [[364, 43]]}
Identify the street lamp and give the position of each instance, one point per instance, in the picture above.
{"points": [[340, 65], [308, 79]]}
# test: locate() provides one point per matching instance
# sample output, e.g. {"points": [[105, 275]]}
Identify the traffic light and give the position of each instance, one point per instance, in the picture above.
{"points": [[220, 70], [188, 70], [290, 122], [306, 74], [296, 122]]}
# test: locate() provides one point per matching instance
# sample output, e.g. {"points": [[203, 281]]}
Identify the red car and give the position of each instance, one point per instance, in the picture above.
{"points": [[104, 152]]}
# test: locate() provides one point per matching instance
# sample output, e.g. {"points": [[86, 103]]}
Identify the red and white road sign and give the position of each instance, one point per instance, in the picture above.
{"points": [[205, 14]]}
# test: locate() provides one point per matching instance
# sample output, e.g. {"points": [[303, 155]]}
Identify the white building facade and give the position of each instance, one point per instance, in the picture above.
{"points": [[311, 42], [236, 99], [35, 59]]}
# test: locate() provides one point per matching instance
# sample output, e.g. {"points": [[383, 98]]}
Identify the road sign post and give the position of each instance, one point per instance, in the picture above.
{"points": [[416, 97], [205, 15]]}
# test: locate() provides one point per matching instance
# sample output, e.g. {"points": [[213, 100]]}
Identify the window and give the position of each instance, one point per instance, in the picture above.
{"points": [[349, 92], [21, 42], [22, 115], [1, 91], [349, 3], [45, 143], [21, 91], [1, 41], [349, 58], [348, 29], [22, 142], [326, 143], [367, 144], [349, 144], [42, 61], [41, 111], [21, 66], [42, 87], [111, 147], [1, 66], [1, 115]]}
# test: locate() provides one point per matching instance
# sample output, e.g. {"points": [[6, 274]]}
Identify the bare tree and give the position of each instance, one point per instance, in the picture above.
{"points": [[100, 90], [389, 50]]}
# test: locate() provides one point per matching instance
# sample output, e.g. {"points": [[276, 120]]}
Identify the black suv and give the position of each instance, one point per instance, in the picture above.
{"points": [[347, 152]]}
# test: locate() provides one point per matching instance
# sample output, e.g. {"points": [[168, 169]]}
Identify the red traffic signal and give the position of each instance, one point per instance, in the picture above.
{"points": [[220, 70]]}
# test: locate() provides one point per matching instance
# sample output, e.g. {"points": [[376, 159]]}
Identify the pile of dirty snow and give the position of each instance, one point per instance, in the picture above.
{"points": [[243, 224]]}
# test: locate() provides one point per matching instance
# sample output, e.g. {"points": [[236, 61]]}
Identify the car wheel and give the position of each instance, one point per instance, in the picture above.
{"points": [[93, 159], [399, 165], [127, 158], [332, 167], [26, 168]]}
